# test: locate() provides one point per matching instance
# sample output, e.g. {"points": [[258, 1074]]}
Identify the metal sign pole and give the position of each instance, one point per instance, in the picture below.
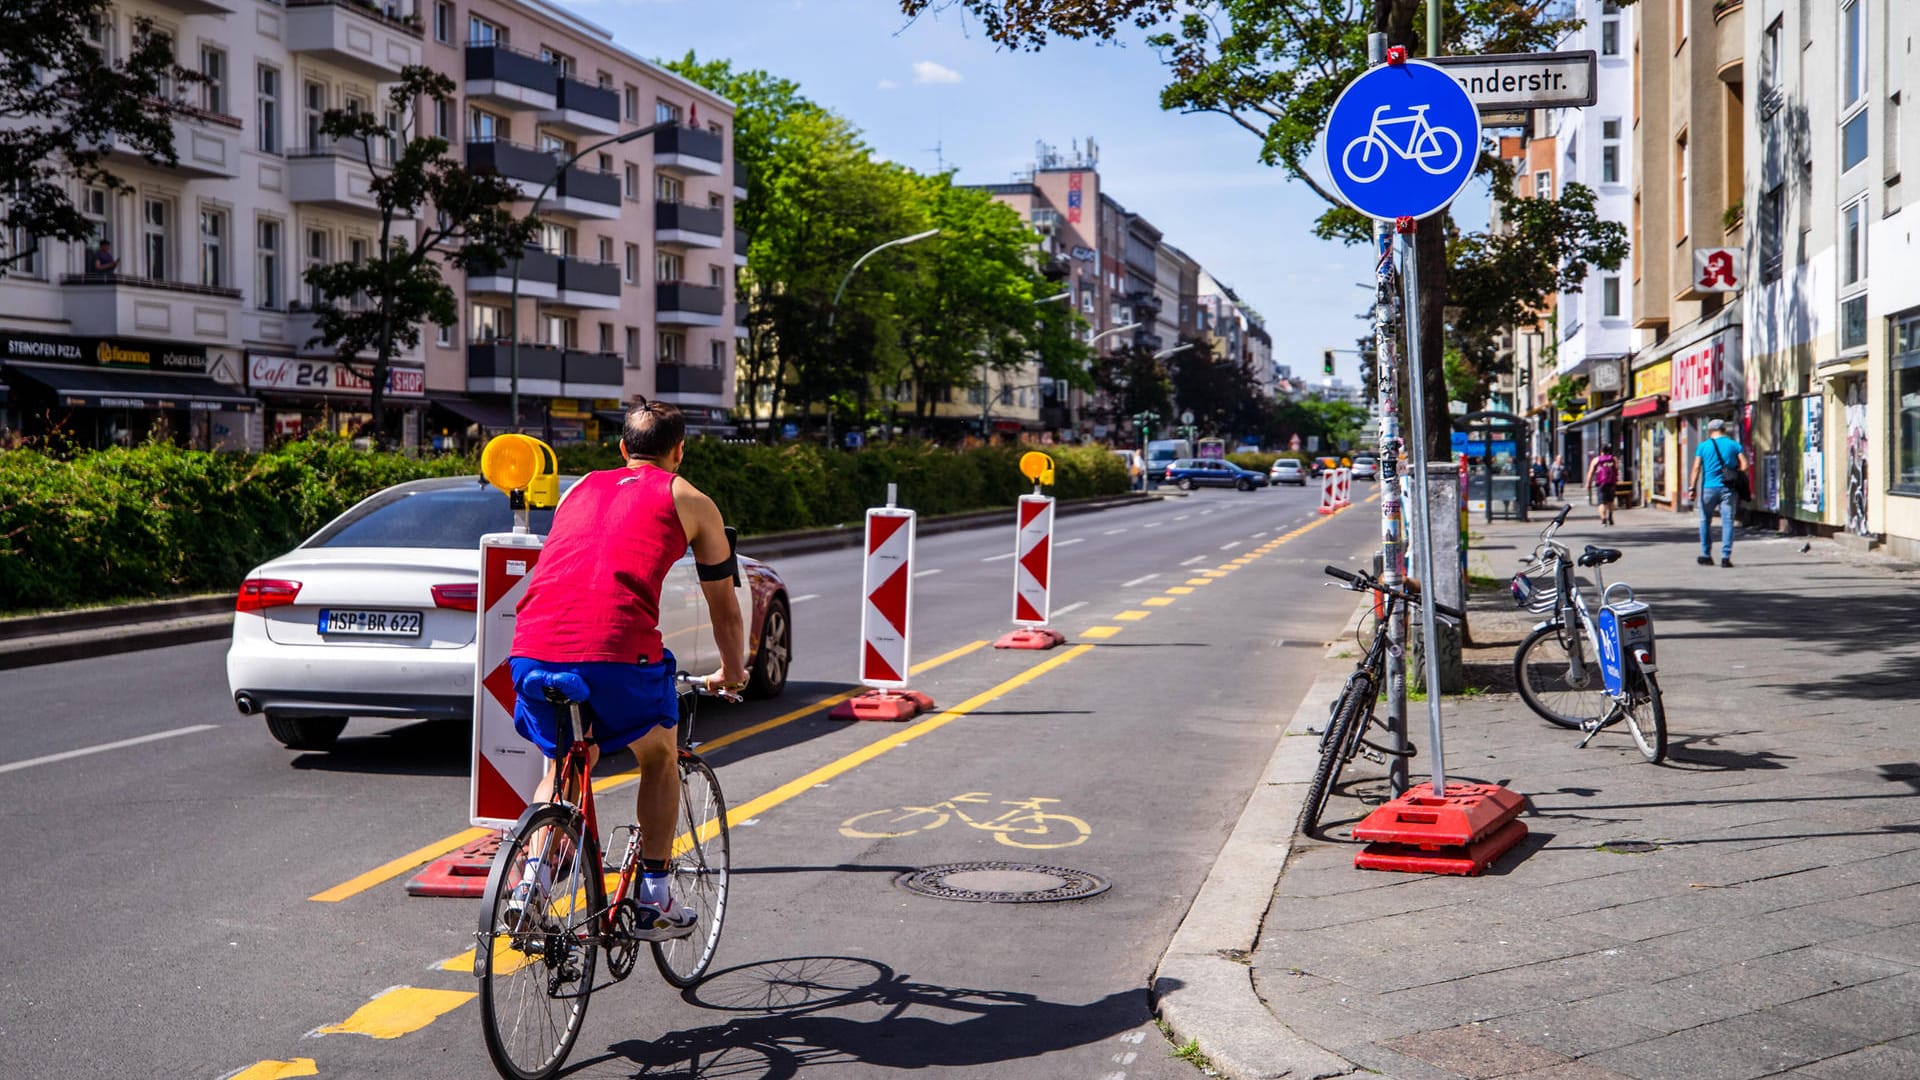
{"points": [[1423, 511]]}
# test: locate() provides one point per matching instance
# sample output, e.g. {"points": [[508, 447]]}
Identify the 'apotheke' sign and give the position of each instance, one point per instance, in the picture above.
{"points": [[125, 353], [266, 372], [1709, 373]]}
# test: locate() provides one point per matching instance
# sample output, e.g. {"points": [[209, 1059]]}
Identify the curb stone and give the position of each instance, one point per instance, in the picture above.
{"points": [[1203, 987]]}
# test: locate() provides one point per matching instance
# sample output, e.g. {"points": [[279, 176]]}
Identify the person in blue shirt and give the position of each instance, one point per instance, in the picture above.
{"points": [[1711, 461]]}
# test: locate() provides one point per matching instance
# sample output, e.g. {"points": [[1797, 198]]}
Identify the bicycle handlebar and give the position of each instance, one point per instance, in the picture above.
{"points": [[1362, 582], [703, 685]]}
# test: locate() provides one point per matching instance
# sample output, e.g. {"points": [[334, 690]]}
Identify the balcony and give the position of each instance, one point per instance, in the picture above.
{"points": [[501, 76], [120, 305], [739, 180], [1729, 31], [334, 175], [694, 151], [583, 109], [680, 303], [539, 276], [739, 247], [353, 35], [585, 193], [529, 169], [1144, 303], [206, 146], [221, 8], [588, 284], [592, 375], [490, 369], [687, 225], [680, 380]]}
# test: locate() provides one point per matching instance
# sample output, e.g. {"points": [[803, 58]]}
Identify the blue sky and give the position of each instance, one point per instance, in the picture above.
{"points": [[939, 81]]}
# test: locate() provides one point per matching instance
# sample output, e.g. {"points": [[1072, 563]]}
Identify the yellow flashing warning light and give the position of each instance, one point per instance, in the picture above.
{"points": [[1037, 467], [515, 462]]}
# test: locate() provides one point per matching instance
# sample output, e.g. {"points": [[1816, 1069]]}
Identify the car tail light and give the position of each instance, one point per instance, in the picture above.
{"points": [[259, 594], [464, 597]]}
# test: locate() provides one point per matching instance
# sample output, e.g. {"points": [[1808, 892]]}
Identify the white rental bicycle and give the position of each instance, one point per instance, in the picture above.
{"points": [[1425, 145]]}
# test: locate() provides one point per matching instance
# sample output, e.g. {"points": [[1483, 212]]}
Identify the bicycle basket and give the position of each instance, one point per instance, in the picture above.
{"points": [[1535, 592]]}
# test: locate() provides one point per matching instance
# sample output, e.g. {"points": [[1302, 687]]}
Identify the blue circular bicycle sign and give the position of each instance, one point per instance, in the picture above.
{"points": [[1402, 140]]}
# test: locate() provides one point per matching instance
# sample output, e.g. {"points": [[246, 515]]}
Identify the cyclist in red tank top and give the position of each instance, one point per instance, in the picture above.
{"points": [[593, 608]]}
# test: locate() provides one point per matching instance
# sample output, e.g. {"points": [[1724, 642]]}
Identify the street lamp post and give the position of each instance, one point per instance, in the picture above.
{"points": [[833, 311], [513, 347]]}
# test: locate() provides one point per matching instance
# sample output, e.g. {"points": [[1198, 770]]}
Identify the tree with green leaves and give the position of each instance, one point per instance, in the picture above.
{"points": [[433, 210], [1274, 67], [64, 106]]}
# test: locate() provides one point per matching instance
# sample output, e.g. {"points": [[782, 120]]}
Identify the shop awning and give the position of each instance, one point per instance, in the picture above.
{"points": [[1605, 412], [1651, 405], [95, 388], [489, 414]]}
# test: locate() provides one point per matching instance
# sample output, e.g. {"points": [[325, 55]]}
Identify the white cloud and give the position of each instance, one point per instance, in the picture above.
{"points": [[887, 84], [929, 73]]}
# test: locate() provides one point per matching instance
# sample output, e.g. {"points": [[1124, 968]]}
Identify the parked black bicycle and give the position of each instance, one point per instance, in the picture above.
{"points": [[1345, 736]]}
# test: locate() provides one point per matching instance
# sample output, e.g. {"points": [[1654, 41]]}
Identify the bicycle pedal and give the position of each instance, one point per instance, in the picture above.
{"points": [[1373, 755]]}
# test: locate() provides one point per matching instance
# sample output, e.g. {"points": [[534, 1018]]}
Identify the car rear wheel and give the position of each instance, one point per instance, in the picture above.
{"points": [[305, 732], [1244, 484], [775, 654], [1185, 483]]}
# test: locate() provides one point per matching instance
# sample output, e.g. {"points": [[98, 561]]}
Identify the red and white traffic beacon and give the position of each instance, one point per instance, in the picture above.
{"points": [[1033, 562], [505, 767], [886, 620]]}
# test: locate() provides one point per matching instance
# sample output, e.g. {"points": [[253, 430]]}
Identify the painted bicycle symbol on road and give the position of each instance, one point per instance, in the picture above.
{"points": [[1425, 144], [1027, 824]]}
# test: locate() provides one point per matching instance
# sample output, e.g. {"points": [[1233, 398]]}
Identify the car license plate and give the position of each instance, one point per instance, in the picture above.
{"points": [[370, 623]]}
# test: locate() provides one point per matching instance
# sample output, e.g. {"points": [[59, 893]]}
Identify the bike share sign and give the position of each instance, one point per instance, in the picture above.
{"points": [[1402, 140]]}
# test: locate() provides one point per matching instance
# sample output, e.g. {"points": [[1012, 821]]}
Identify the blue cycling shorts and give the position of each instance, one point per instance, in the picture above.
{"points": [[624, 702]]}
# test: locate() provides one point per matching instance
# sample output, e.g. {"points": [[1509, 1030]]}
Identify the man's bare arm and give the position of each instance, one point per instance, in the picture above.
{"points": [[707, 532]]}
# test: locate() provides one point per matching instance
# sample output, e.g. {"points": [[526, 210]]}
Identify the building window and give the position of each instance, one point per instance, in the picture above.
{"points": [[24, 248], [1853, 243], [1609, 151], [165, 38], [156, 239], [319, 253], [482, 32], [554, 144], [670, 347], [717, 277], [443, 22], [1853, 323], [1610, 296], [1772, 232], [559, 331], [559, 60], [1680, 163], [314, 105], [485, 323], [633, 264], [1609, 29], [267, 107], [443, 118], [606, 337], [633, 346], [1904, 374], [1543, 184], [443, 336], [667, 188], [266, 264], [557, 239], [630, 99], [1853, 84], [665, 112], [99, 34], [213, 72], [483, 126], [668, 267], [93, 206], [606, 249], [632, 182]]}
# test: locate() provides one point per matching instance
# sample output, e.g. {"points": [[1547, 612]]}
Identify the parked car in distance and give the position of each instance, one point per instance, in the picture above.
{"points": [[1190, 473], [1366, 467], [1136, 467], [1287, 470], [374, 615]]}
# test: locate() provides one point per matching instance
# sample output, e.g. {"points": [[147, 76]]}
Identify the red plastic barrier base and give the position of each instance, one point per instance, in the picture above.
{"points": [[883, 705], [1031, 637], [461, 873], [1467, 813], [1467, 860]]}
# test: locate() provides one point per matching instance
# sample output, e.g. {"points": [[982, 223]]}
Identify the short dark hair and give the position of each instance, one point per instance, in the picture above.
{"points": [[653, 429]]}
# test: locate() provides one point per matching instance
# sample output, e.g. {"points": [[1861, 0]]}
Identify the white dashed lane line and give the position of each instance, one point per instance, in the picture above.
{"points": [[1075, 606], [926, 573], [1075, 540], [804, 599], [1138, 581], [1195, 559], [997, 558]]}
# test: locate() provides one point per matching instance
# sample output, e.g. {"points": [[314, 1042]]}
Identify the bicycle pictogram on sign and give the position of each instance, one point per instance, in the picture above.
{"points": [[1425, 144]]}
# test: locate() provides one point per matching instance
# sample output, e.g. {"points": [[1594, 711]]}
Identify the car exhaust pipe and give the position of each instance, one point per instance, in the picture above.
{"points": [[246, 703]]}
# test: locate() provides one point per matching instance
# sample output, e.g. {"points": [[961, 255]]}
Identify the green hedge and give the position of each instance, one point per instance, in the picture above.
{"points": [[156, 521]]}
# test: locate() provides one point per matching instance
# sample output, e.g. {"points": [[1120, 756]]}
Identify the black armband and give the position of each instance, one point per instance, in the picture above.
{"points": [[719, 571]]}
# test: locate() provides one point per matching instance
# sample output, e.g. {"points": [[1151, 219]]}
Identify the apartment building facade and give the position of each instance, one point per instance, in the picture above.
{"points": [[204, 328]]}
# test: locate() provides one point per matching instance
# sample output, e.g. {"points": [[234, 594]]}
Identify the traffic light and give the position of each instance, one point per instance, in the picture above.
{"points": [[1327, 365]]}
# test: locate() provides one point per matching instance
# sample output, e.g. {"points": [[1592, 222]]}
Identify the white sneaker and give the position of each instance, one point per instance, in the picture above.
{"points": [[667, 923], [525, 905]]}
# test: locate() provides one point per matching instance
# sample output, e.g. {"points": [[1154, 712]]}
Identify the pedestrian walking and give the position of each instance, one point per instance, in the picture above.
{"points": [[1718, 483], [1602, 472], [1559, 476]]}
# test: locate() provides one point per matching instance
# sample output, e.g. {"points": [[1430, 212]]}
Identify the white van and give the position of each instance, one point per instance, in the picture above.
{"points": [[1162, 453]]}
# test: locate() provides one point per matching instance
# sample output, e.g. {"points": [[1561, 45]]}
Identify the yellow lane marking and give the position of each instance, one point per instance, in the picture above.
{"points": [[1099, 632], [1179, 590], [1157, 601], [1199, 581], [277, 1070], [398, 1011], [1219, 571], [393, 869], [1132, 616], [401, 865]]}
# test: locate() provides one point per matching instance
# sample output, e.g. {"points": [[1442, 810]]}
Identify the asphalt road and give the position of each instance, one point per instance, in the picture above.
{"points": [[163, 888]]}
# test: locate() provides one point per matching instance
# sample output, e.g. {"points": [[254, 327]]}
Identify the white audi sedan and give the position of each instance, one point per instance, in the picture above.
{"points": [[374, 615]]}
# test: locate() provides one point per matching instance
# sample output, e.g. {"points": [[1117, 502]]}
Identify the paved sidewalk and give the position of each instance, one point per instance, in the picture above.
{"points": [[1774, 927]]}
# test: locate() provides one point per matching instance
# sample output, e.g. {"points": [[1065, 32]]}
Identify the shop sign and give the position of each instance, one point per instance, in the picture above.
{"points": [[1605, 377], [1709, 373], [567, 408], [285, 373], [1083, 253], [1716, 270], [133, 353], [1653, 379]]}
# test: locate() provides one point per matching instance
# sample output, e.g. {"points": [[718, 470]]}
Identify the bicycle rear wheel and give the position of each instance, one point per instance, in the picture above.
{"points": [[1541, 668], [1646, 716], [536, 963], [700, 863], [1351, 710]]}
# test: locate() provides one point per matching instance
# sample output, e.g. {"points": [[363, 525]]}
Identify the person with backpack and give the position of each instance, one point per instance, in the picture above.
{"points": [[1719, 482], [1602, 473]]}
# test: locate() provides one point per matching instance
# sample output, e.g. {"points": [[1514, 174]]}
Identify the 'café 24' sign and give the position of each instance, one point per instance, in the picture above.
{"points": [[328, 377]]}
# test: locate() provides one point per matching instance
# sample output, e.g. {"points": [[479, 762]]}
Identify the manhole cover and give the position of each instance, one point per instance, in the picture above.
{"points": [[1629, 847], [1002, 882]]}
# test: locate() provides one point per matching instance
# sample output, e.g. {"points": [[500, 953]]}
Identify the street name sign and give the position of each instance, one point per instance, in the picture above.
{"points": [[1508, 81], [1402, 140]]}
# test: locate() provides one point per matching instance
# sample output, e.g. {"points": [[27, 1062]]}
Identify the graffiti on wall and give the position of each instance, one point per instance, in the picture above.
{"points": [[1857, 457], [1813, 457]]}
